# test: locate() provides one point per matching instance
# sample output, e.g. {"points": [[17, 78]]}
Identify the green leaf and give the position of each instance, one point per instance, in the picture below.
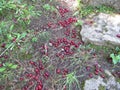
{"points": [[34, 39], [115, 58], [112, 55], [12, 6], [9, 36], [11, 27], [76, 13], [115, 61], [8, 64], [23, 35], [2, 69], [47, 6], [13, 66], [79, 23]]}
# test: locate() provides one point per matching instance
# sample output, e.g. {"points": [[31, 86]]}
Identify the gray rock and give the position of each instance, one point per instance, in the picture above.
{"points": [[103, 31], [93, 84], [109, 84], [112, 3]]}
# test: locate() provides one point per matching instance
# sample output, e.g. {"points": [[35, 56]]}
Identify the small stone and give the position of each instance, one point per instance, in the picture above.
{"points": [[50, 44]]}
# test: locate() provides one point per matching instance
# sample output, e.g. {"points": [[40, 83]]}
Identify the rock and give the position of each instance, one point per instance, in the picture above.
{"points": [[102, 29], [93, 84], [72, 4], [109, 84], [113, 3]]}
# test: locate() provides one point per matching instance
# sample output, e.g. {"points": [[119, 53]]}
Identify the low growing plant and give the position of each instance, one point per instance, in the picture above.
{"points": [[115, 58]]}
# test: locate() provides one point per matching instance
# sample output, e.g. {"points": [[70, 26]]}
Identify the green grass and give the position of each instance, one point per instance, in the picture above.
{"points": [[87, 10]]}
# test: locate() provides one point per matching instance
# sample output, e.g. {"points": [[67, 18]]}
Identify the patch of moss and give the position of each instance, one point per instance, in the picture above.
{"points": [[82, 85], [23, 56], [86, 10], [102, 87], [118, 80]]}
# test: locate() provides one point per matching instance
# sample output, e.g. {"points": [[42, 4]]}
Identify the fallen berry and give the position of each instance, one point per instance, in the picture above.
{"points": [[58, 71], [102, 75], [88, 68], [21, 78], [37, 70], [118, 35], [46, 75], [90, 75], [96, 73], [3, 45], [100, 69]]}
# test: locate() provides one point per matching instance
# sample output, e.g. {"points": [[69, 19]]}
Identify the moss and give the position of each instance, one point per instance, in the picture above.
{"points": [[87, 10], [102, 87], [118, 80], [24, 56], [82, 85]]}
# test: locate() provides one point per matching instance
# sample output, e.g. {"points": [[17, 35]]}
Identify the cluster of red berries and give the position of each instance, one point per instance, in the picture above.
{"points": [[4, 56], [73, 34], [98, 71], [63, 23], [51, 25], [65, 46], [37, 76], [62, 11], [67, 22], [62, 72]]}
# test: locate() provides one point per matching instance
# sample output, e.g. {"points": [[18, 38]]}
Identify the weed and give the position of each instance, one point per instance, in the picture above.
{"points": [[115, 58], [49, 7], [71, 79], [15, 17]]}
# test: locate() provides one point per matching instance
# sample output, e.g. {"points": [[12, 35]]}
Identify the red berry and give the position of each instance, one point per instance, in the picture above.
{"points": [[25, 88], [3, 45], [100, 69], [96, 73], [46, 75], [39, 82], [30, 82], [1, 65], [37, 70], [88, 68], [97, 70], [39, 87], [90, 75], [65, 88], [65, 71], [21, 78], [31, 62], [72, 43], [79, 43], [58, 71], [102, 75], [76, 45], [6, 57], [36, 78], [64, 39], [29, 75], [118, 35], [14, 39]]}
